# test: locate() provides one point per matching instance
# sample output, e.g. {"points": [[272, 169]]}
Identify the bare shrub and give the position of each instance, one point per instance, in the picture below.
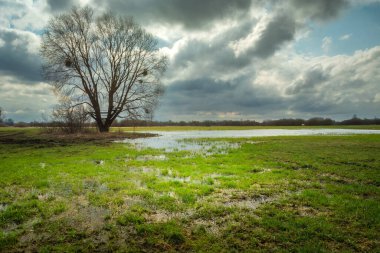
{"points": [[69, 117]]}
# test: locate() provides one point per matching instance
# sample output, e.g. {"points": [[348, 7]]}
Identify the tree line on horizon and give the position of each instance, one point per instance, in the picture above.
{"points": [[316, 121]]}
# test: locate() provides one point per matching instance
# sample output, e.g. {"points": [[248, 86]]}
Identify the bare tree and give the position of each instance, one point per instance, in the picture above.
{"points": [[107, 62], [68, 118]]}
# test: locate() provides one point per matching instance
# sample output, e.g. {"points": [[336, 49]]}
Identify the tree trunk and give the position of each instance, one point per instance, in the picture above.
{"points": [[103, 128]]}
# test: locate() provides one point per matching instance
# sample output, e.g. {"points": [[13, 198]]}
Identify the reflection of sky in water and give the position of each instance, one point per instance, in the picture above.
{"points": [[175, 140]]}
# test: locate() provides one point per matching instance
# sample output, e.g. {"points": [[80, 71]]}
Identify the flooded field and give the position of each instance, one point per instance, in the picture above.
{"points": [[187, 140], [314, 190]]}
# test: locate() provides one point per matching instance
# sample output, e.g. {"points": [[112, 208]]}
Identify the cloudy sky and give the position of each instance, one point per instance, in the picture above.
{"points": [[241, 59]]}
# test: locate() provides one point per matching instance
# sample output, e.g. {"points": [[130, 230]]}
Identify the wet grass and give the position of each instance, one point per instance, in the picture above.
{"points": [[299, 194]]}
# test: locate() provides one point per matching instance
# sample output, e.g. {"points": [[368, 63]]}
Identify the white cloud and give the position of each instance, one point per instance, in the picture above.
{"points": [[24, 102], [326, 44], [242, 45], [377, 98], [345, 37], [24, 14], [342, 83], [19, 54]]}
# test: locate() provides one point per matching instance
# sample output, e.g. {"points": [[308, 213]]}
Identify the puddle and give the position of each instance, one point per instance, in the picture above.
{"points": [[176, 179], [187, 140], [145, 170], [206, 148], [218, 175], [151, 158], [139, 184], [173, 176], [94, 186], [165, 175], [148, 170]]}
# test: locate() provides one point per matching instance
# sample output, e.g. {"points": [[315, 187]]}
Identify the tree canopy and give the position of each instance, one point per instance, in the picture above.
{"points": [[105, 62]]}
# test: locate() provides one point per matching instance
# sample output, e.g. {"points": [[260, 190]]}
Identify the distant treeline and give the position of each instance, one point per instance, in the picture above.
{"points": [[279, 122]]}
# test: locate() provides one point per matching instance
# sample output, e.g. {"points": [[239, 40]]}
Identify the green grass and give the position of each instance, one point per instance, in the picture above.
{"points": [[298, 194]]}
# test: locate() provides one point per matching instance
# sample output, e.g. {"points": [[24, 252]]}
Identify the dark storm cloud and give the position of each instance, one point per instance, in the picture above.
{"points": [[17, 57], [309, 81], [320, 9], [60, 5], [312, 91], [199, 58], [216, 57], [201, 87], [191, 14], [279, 30], [204, 62], [312, 105], [200, 95], [203, 59], [200, 13], [344, 85]]}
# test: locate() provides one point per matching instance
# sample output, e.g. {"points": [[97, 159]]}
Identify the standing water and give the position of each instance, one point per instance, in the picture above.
{"points": [[180, 140]]}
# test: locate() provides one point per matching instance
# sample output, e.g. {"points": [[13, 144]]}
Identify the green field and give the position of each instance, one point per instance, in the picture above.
{"points": [[298, 194]]}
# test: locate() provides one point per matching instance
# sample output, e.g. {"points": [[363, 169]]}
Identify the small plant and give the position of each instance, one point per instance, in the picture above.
{"points": [[209, 181], [165, 172]]}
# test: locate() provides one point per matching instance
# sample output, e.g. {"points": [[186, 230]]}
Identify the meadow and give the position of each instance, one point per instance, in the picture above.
{"points": [[297, 194]]}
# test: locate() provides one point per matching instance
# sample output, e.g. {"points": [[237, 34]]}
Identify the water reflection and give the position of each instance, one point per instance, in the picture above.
{"points": [[187, 140]]}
